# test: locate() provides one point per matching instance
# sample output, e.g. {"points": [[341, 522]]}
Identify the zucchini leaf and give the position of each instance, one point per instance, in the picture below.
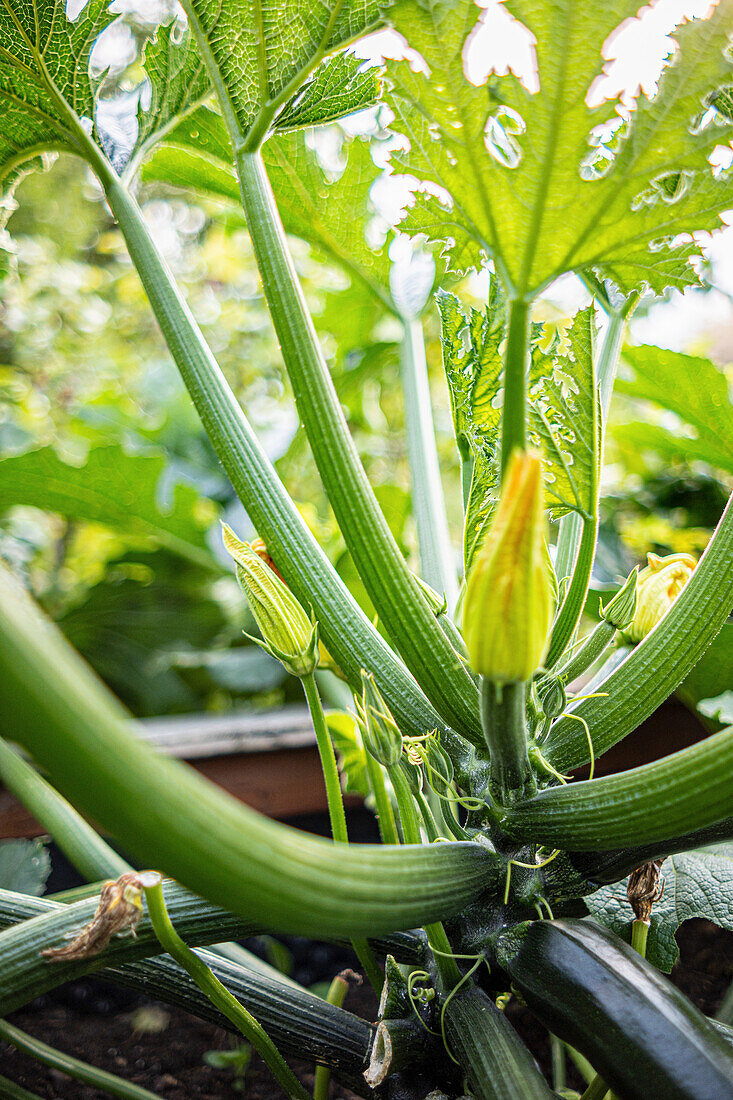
{"points": [[693, 388], [263, 57], [563, 408], [543, 183], [696, 884]]}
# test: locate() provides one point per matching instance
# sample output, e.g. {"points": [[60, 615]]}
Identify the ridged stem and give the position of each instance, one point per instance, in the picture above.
{"points": [[396, 595], [686, 791], [505, 729], [72, 1067], [301, 1024], [657, 665], [10, 1091], [496, 1062], [437, 566], [348, 633], [218, 994], [165, 813]]}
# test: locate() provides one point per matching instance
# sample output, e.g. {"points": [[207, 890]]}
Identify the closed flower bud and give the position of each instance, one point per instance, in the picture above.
{"points": [[508, 607], [380, 734], [287, 632], [552, 696], [620, 611], [658, 586]]}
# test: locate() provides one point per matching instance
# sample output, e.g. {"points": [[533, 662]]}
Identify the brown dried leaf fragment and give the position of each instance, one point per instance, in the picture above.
{"points": [[119, 911], [645, 886]]}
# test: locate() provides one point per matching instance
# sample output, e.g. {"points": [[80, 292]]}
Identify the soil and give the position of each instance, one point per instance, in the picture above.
{"points": [[97, 1022]]}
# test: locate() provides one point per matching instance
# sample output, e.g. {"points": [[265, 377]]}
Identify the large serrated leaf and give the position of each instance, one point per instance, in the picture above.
{"points": [[44, 80], [542, 182], [563, 409], [340, 86], [260, 55], [119, 490], [696, 884]]}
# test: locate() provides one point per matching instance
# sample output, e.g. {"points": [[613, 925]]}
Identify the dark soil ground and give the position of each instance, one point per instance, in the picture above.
{"points": [[101, 1024]]}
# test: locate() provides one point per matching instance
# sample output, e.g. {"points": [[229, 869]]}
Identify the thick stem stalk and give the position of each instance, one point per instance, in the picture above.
{"points": [[428, 503], [686, 791], [350, 637], [516, 363], [391, 586], [165, 812], [505, 730], [588, 653]]}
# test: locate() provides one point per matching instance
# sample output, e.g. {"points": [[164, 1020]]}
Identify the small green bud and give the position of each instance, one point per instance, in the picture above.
{"points": [[552, 696], [380, 733], [658, 586], [508, 608], [287, 632], [437, 604], [620, 610]]}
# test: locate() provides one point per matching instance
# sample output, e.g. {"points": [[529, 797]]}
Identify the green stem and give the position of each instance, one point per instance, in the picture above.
{"points": [[567, 618], [516, 363], [688, 790], [505, 730], [92, 857], [334, 796], [80, 1071], [596, 1090], [162, 810], [10, 1091], [588, 653], [348, 633], [209, 984], [336, 811], [725, 1013], [383, 806], [428, 503], [446, 965], [658, 664], [394, 591], [559, 1073], [639, 936], [336, 993]]}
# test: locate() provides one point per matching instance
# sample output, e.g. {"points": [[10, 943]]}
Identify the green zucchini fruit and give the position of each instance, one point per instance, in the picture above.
{"points": [[498, 1065], [638, 1031]]}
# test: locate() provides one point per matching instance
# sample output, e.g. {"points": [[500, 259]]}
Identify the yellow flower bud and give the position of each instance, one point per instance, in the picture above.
{"points": [[287, 632], [508, 607], [657, 587]]}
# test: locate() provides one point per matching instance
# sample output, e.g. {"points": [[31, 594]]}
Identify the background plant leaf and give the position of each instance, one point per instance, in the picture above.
{"points": [[339, 87], [693, 388], [350, 752], [540, 181], [696, 884], [24, 866], [120, 490]]}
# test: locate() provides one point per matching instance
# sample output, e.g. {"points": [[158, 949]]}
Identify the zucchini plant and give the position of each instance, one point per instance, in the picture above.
{"points": [[497, 874]]}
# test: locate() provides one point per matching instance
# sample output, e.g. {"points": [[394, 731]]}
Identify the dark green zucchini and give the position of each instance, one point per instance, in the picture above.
{"points": [[497, 1064], [638, 1031]]}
